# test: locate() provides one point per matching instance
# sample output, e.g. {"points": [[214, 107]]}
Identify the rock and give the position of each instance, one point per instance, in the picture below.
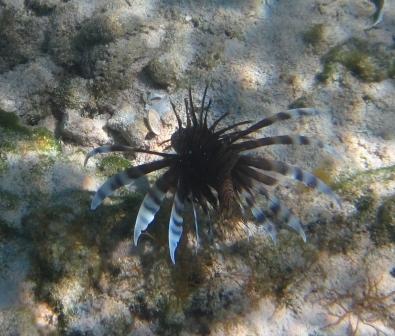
{"points": [[27, 89], [84, 131], [101, 28], [72, 93], [22, 37], [42, 7], [159, 102], [65, 22], [167, 69], [102, 317], [153, 121], [114, 66], [129, 125]]}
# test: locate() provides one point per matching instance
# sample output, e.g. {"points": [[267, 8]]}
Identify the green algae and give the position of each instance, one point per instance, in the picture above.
{"points": [[44, 140], [375, 213], [71, 93], [77, 239], [100, 29], [354, 185], [301, 102], [15, 137], [383, 227], [112, 164], [3, 163], [41, 7], [315, 36], [10, 122], [368, 62]]}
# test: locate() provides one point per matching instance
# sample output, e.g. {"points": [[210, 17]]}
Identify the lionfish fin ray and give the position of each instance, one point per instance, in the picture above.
{"points": [[176, 222], [124, 178], [107, 149], [265, 224], [275, 140], [280, 211], [151, 204], [294, 173], [280, 116]]}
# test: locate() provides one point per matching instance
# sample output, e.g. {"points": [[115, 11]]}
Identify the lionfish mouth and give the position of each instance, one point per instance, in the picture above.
{"points": [[211, 171]]}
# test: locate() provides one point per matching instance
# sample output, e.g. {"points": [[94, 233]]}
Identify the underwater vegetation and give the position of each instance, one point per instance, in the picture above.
{"points": [[209, 170], [368, 62]]}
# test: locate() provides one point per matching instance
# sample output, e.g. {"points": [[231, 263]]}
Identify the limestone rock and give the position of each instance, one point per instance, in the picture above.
{"points": [[84, 131], [129, 125]]}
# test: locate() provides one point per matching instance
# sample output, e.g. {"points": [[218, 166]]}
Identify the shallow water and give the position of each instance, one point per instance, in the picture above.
{"points": [[76, 75]]}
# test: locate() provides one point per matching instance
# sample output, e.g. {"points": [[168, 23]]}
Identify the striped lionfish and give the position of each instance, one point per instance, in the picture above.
{"points": [[209, 168]]}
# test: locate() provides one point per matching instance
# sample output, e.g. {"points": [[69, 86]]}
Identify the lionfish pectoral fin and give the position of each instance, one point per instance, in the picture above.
{"points": [[196, 225], [280, 116], [280, 211], [294, 173], [124, 178], [295, 224], [176, 223], [107, 149], [265, 224], [150, 205], [113, 183]]}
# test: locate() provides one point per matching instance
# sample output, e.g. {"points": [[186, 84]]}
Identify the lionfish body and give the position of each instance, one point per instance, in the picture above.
{"points": [[210, 169]]}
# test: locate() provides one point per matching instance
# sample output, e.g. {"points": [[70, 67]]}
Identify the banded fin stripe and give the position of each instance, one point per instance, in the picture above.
{"points": [[275, 140], [151, 204], [196, 223], [280, 116], [256, 175], [280, 211], [292, 172], [259, 215], [176, 221], [107, 149], [126, 177], [216, 122], [121, 148], [224, 130]]}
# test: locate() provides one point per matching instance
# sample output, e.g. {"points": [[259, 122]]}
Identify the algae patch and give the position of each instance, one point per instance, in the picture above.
{"points": [[370, 62], [112, 164], [376, 213], [10, 122], [15, 137], [383, 228], [316, 37]]}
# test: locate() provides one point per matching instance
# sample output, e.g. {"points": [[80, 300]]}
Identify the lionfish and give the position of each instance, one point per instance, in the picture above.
{"points": [[209, 168]]}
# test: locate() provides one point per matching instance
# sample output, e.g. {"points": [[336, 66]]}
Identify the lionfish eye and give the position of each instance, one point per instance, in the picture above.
{"points": [[220, 177]]}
